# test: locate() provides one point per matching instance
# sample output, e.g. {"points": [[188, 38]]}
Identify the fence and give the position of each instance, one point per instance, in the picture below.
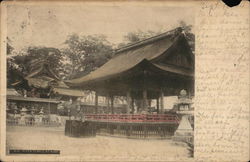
{"points": [[136, 130], [121, 129], [74, 128], [170, 118], [18, 122]]}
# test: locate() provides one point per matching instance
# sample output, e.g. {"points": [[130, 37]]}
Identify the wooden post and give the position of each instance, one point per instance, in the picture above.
{"points": [[161, 101], [131, 130], [157, 105], [96, 102], [133, 106], [145, 98], [112, 104], [128, 102], [108, 104], [145, 131], [118, 129]]}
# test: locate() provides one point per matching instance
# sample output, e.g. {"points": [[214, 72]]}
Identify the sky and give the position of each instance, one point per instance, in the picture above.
{"points": [[49, 25]]}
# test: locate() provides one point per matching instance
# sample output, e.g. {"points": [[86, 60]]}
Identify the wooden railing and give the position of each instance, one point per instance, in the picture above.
{"points": [[15, 122], [133, 118]]}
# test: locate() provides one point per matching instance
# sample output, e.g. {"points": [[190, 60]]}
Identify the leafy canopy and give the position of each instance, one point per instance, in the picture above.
{"points": [[86, 53]]}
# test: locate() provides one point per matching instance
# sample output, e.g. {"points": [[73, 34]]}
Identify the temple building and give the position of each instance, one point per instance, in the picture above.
{"points": [[44, 83], [41, 89], [148, 70]]}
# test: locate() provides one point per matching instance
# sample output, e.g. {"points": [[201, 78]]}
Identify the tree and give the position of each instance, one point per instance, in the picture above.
{"points": [[13, 70], [133, 37], [9, 46], [36, 56], [85, 53]]}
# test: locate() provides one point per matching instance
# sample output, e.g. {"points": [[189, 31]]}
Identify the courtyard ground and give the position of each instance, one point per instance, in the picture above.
{"points": [[50, 138]]}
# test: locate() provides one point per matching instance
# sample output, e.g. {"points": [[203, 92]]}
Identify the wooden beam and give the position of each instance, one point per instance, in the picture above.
{"points": [[112, 104], [96, 102], [133, 106], [157, 105]]}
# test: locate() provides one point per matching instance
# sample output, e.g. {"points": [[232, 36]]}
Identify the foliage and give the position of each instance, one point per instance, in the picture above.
{"points": [[82, 55], [36, 56], [13, 70], [85, 53], [133, 37], [9, 46]]}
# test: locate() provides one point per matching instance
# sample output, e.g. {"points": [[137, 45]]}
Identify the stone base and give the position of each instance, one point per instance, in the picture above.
{"points": [[184, 131], [188, 139]]}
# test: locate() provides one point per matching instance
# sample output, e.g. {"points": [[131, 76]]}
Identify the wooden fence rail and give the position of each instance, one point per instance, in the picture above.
{"points": [[15, 122], [133, 118]]}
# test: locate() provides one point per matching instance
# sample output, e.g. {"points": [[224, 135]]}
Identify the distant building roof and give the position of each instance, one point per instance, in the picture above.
{"points": [[32, 99], [69, 92], [45, 82], [44, 77], [44, 69]]}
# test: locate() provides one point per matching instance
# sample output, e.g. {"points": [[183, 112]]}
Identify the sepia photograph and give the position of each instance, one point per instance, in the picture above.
{"points": [[100, 80]]}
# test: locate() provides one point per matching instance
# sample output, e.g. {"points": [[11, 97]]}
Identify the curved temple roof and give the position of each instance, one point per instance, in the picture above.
{"points": [[128, 57]]}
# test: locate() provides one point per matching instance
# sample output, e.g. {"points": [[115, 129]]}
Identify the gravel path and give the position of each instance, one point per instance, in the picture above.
{"points": [[98, 147]]}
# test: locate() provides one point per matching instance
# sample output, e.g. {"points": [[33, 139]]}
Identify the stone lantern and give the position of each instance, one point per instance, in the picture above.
{"points": [[23, 111], [33, 110], [41, 116], [184, 131], [23, 116]]}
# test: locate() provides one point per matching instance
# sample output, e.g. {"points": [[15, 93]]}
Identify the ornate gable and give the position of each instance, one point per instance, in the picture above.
{"points": [[179, 55]]}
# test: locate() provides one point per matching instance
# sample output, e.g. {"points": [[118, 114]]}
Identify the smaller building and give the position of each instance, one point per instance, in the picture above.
{"points": [[44, 83], [15, 102], [41, 89]]}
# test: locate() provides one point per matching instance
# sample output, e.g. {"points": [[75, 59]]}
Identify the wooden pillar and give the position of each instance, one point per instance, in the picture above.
{"points": [[161, 101], [157, 105], [112, 104], [128, 102], [133, 106], [145, 99], [108, 104], [96, 102]]}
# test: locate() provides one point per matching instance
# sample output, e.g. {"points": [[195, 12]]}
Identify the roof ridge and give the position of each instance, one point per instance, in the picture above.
{"points": [[44, 66], [35, 72], [147, 40]]}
